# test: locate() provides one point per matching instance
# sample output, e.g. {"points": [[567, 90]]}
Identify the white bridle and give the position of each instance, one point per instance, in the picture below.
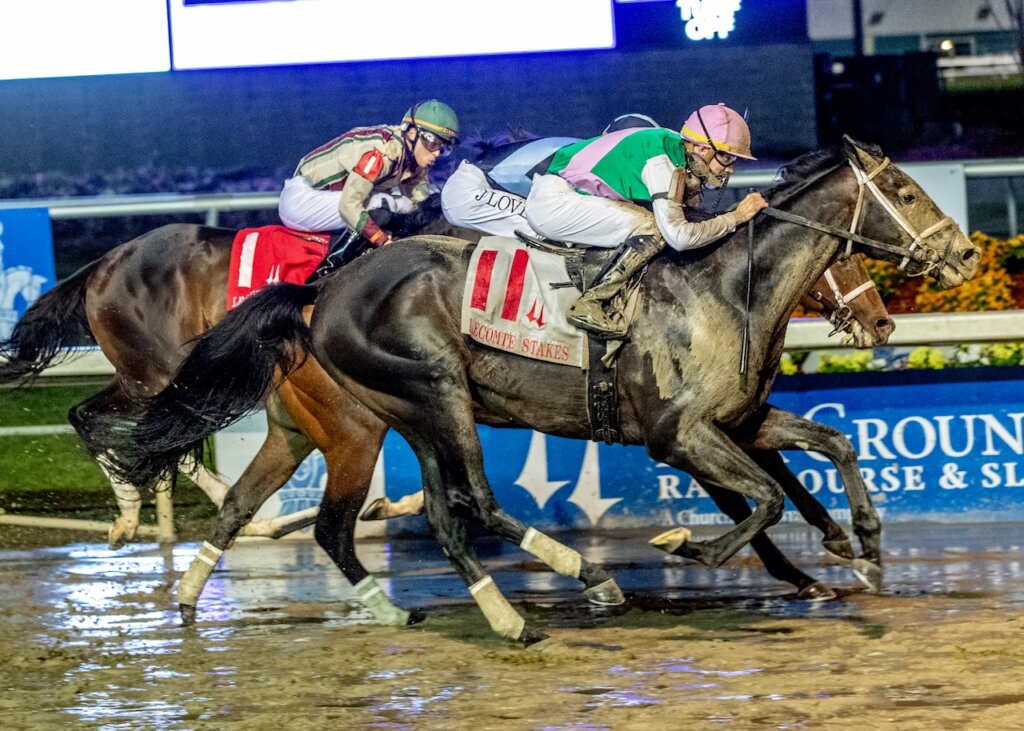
{"points": [[867, 180]]}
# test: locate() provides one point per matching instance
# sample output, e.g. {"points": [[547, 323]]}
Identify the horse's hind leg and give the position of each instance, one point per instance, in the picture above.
{"points": [[281, 453], [444, 482], [440, 428], [112, 399], [382, 508], [601, 588], [781, 429], [214, 487]]}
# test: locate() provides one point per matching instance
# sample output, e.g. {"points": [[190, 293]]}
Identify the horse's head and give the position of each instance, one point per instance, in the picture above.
{"points": [[847, 298], [892, 207]]}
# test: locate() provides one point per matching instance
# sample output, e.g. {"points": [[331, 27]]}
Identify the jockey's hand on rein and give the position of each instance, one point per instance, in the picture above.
{"points": [[749, 207]]}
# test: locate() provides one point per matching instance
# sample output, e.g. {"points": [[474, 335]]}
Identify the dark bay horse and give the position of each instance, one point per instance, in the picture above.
{"points": [[387, 329], [145, 300]]}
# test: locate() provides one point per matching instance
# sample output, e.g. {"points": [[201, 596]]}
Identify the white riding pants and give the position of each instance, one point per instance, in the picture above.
{"points": [[558, 212], [304, 208], [468, 200]]}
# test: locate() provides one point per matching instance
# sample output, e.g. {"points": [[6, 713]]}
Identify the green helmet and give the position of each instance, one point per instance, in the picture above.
{"points": [[436, 117]]}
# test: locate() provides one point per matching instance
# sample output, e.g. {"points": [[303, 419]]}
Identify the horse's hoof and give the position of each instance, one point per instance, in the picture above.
{"points": [[671, 540], [119, 536], [415, 617], [605, 594], [868, 572], [816, 592], [840, 548], [188, 614], [377, 510], [531, 636]]}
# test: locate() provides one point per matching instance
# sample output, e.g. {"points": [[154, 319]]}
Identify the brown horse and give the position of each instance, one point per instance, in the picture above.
{"points": [[388, 331]]}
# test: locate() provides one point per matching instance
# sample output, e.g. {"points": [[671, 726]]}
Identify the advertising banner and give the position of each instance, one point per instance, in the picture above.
{"points": [[932, 445], [26, 262]]}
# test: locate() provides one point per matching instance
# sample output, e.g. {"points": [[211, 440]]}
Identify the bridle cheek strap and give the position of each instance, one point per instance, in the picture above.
{"points": [[867, 180]]}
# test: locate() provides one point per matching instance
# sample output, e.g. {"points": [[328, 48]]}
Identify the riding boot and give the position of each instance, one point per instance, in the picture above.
{"points": [[343, 248], [600, 309]]}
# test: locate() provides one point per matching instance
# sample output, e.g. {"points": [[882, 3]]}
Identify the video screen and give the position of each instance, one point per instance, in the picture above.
{"points": [[239, 33], [48, 38]]}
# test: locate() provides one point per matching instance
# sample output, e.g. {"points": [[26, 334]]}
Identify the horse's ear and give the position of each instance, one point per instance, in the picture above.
{"points": [[857, 154]]}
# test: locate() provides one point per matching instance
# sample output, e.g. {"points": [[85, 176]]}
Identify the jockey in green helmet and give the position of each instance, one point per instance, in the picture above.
{"points": [[384, 165]]}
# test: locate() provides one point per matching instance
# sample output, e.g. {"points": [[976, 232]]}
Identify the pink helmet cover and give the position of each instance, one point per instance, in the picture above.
{"points": [[720, 127]]}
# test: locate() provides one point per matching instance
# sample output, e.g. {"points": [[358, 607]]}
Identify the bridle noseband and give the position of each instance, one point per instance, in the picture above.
{"points": [[842, 314]]}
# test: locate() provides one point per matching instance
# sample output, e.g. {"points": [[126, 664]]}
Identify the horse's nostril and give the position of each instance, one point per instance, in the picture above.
{"points": [[969, 253], [885, 324]]}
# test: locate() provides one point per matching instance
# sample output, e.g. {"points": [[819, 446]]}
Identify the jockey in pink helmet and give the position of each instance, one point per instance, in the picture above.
{"points": [[585, 199]]}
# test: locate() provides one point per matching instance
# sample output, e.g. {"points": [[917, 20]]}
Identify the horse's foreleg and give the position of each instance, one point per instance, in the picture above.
{"points": [[775, 562], [281, 453], [350, 462], [781, 429], [834, 538], [714, 460]]}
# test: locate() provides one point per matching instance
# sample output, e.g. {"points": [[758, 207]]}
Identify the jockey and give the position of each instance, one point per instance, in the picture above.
{"points": [[491, 196], [333, 185], [634, 187]]}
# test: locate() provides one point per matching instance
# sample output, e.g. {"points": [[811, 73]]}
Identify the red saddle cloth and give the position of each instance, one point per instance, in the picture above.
{"points": [[272, 254]]}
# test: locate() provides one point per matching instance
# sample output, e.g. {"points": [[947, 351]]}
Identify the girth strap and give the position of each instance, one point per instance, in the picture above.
{"points": [[602, 394]]}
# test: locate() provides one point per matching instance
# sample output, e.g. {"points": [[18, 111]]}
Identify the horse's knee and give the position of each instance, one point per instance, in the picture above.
{"points": [[773, 505], [840, 447]]}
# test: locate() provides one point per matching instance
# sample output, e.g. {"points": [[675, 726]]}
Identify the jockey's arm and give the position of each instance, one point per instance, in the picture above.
{"points": [[670, 214], [352, 207]]}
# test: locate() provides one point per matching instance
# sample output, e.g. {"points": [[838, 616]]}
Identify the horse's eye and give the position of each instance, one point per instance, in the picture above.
{"points": [[908, 198]]}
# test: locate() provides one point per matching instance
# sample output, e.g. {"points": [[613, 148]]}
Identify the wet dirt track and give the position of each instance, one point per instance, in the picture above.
{"points": [[91, 639]]}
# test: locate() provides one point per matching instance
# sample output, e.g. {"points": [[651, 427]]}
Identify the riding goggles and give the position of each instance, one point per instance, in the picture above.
{"points": [[434, 142], [725, 159]]}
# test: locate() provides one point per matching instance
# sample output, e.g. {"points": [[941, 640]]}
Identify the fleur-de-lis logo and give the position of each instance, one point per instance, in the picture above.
{"points": [[535, 316]]}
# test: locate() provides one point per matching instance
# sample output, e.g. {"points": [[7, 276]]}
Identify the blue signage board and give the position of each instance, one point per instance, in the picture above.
{"points": [[26, 262], [932, 445]]}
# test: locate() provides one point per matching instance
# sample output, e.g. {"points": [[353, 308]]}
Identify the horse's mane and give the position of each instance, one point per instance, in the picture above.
{"points": [[810, 164], [484, 152], [477, 146]]}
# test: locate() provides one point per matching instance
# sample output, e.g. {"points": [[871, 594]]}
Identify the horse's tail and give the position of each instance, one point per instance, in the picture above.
{"points": [[229, 372], [52, 324]]}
